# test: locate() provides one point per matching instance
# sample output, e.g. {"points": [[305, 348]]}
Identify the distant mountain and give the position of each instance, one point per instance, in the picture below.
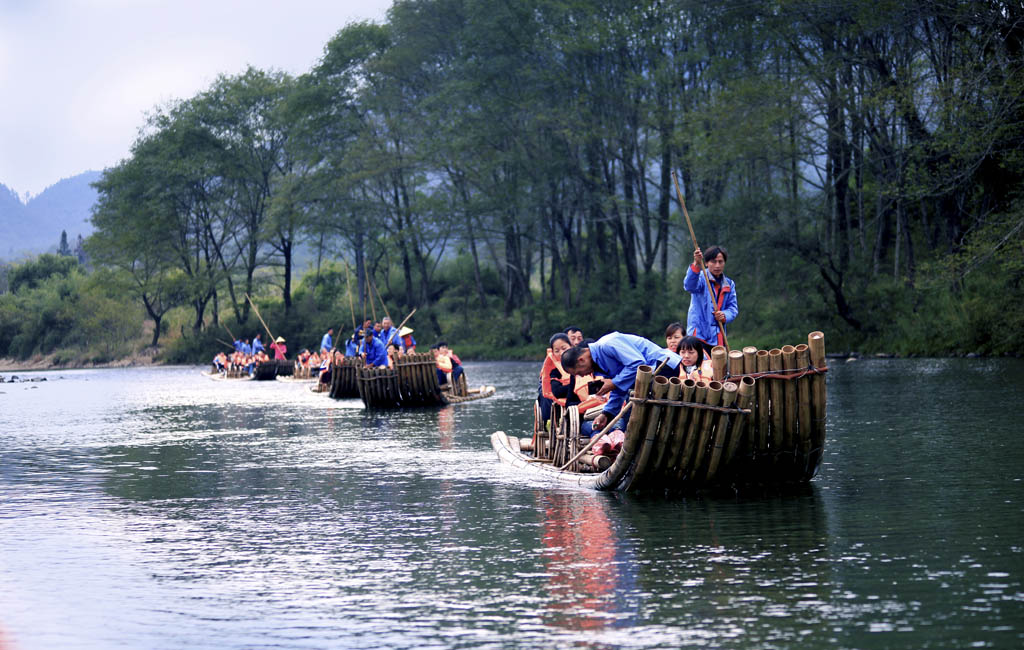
{"points": [[34, 227]]}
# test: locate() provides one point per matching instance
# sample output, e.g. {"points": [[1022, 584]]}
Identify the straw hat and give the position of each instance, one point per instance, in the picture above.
{"points": [[405, 331], [279, 339]]}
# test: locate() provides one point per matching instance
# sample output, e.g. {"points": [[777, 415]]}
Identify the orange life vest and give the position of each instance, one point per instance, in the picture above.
{"points": [[444, 362], [703, 372], [580, 389]]}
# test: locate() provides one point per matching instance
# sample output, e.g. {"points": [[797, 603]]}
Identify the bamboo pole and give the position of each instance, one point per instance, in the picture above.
{"points": [[226, 343], [684, 469], [803, 391], [703, 266], [654, 416], [789, 398], [668, 428], [775, 396], [351, 305], [749, 360], [763, 403], [383, 307], [718, 361], [679, 429], [721, 434], [816, 345], [257, 312], [735, 363], [638, 420], [714, 398], [233, 337], [742, 422]]}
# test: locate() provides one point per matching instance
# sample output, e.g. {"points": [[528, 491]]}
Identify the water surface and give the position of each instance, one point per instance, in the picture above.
{"points": [[149, 508]]}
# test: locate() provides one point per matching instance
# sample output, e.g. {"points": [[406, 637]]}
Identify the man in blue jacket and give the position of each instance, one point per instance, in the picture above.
{"points": [[327, 342], [374, 351], [702, 320], [617, 357]]}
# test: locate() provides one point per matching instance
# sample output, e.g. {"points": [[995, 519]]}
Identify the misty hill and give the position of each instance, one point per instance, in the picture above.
{"points": [[35, 227]]}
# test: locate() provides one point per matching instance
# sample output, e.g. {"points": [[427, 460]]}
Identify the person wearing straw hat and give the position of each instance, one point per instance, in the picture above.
{"points": [[279, 348], [406, 340], [702, 321]]}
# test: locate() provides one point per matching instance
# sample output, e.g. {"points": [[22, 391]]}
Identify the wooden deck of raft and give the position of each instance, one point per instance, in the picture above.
{"points": [[761, 423]]}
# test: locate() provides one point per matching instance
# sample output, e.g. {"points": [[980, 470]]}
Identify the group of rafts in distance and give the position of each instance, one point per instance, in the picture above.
{"points": [[378, 364]]}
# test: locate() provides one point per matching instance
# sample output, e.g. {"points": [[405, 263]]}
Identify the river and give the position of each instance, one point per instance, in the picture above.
{"points": [[154, 508]]}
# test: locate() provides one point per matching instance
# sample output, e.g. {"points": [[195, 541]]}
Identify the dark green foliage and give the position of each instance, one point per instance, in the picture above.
{"points": [[506, 169]]}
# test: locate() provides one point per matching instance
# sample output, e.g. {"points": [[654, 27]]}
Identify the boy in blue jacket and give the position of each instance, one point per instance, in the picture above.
{"points": [[703, 321]]}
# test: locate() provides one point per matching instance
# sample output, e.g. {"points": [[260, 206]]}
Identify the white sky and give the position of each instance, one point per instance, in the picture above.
{"points": [[78, 76]]}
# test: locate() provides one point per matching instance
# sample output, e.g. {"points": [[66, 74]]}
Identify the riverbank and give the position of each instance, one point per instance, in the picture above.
{"points": [[59, 361]]}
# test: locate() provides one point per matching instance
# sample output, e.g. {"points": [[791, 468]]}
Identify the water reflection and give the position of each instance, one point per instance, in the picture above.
{"points": [[586, 564], [235, 516]]}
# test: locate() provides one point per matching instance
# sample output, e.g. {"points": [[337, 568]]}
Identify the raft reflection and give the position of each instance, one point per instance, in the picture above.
{"points": [[585, 561]]}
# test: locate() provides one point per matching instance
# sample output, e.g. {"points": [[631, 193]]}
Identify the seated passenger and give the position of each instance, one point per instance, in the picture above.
{"points": [[673, 335], [565, 389], [575, 335], [447, 363], [694, 365], [394, 351]]}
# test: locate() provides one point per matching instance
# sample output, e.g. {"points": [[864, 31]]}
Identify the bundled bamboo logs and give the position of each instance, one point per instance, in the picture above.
{"points": [[412, 381], [343, 378]]}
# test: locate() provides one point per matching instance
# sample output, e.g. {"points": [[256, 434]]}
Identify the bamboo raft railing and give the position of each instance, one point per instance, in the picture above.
{"points": [[272, 368], [343, 378], [761, 421], [412, 382]]}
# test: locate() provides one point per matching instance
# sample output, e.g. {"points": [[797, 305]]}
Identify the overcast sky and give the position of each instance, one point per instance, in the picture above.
{"points": [[78, 76]]}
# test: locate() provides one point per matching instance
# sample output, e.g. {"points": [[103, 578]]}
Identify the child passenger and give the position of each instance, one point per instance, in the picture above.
{"points": [[694, 365]]}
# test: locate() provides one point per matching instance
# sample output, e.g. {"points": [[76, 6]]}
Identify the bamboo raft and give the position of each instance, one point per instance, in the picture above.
{"points": [[272, 368], [226, 376], [343, 378], [412, 382], [761, 422]]}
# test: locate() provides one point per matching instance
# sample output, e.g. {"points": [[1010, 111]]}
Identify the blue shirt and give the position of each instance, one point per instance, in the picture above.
{"points": [[391, 333], [376, 355], [257, 346], [618, 355], [700, 319], [351, 348], [327, 342]]}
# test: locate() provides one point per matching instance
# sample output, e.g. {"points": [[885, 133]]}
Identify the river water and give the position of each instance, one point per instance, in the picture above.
{"points": [[154, 508]]}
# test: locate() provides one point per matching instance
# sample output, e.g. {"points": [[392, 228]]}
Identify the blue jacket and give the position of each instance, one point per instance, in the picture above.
{"points": [[376, 355], [257, 346], [384, 334], [617, 356], [327, 342], [700, 319], [351, 348]]}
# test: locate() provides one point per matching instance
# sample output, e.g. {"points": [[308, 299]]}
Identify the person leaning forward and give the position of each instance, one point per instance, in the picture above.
{"points": [[617, 357]]}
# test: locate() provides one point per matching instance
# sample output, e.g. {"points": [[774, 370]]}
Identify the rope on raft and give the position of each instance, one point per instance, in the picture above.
{"points": [[668, 402], [786, 373]]}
